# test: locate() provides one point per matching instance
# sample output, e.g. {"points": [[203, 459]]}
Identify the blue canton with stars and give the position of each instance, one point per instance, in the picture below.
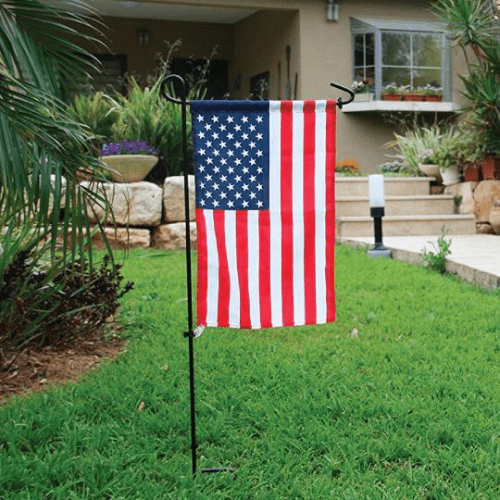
{"points": [[231, 154]]}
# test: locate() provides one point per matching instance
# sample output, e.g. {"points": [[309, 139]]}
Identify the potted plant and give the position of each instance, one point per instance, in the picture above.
{"points": [[447, 156], [129, 161], [431, 93], [427, 163], [363, 90], [392, 92], [410, 94]]}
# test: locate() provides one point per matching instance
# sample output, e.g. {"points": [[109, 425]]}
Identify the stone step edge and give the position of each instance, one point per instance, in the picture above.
{"points": [[410, 218], [399, 197]]}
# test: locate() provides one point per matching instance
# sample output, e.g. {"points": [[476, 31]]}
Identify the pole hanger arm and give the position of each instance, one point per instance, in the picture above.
{"points": [[340, 102]]}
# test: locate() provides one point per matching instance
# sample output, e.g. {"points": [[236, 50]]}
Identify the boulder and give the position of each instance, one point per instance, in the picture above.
{"points": [[136, 204], [173, 199], [173, 236], [485, 194], [123, 238], [464, 190]]}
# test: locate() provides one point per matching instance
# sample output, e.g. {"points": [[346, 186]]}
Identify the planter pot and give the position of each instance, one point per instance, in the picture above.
{"points": [[430, 170], [491, 168], [413, 97], [392, 97], [129, 168], [363, 97], [472, 173], [495, 219], [434, 98], [450, 175]]}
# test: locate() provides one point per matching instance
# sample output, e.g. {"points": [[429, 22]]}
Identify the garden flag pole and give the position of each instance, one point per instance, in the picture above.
{"points": [[265, 215]]}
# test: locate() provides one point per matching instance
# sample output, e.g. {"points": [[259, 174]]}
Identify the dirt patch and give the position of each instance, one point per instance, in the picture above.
{"points": [[36, 369]]}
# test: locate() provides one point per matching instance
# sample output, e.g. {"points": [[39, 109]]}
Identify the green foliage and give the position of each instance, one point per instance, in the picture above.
{"points": [[407, 408], [474, 26], [436, 260], [42, 147]]}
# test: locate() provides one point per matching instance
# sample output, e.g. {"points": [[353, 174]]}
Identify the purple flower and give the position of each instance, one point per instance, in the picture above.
{"points": [[129, 148]]}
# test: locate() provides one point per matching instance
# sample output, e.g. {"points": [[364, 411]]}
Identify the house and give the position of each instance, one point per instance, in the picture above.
{"points": [[297, 47]]}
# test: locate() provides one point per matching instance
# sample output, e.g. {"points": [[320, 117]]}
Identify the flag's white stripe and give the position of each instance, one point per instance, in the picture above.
{"points": [[298, 213], [274, 210], [253, 267], [320, 190], [212, 270], [234, 287]]}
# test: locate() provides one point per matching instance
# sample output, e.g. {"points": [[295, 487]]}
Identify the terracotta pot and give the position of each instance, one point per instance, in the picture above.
{"points": [[413, 97], [473, 173], [130, 168], [490, 167], [392, 97], [495, 219], [434, 98]]}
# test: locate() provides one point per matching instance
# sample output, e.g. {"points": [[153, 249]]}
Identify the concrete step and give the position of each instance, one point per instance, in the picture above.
{"points": [[406, 225], [359, 206], [346, 187]]}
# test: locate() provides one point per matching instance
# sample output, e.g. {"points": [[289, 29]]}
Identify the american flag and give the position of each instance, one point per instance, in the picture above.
{"points": [[265, 212]]}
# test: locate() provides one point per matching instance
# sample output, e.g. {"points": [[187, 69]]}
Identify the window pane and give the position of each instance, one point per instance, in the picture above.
{"points": [[427, 50], [370, 49], [396, 49], [359, 49], [423, 77], [398, 76]]}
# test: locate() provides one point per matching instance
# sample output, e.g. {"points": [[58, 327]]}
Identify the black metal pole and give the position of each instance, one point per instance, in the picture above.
{"points": [[377, 213]]}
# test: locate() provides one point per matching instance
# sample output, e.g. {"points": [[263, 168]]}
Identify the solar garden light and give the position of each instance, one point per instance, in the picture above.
{"points": [[377, 211]]}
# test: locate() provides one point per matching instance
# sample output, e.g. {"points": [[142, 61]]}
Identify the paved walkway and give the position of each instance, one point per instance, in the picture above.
{"points": [[475, 258]]}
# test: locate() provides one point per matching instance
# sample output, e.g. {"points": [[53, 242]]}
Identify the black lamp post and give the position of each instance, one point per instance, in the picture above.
{"points": [[377, 211]]}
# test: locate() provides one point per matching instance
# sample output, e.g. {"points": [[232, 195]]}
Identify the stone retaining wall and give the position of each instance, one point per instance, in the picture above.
{"points": [[145, 215]]}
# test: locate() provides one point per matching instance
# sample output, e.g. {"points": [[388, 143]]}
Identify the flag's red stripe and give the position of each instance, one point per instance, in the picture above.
{"points": [[265, 269], [331, 118], [242, 262], [201, 301], [287, 212], [309, 212], [224, 283]]}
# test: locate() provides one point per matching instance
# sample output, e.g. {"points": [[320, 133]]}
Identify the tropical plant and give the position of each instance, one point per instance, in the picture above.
{"points": [[474, 26], [42, 147]]}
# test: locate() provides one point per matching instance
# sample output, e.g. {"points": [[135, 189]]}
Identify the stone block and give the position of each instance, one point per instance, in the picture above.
{"points": [[123, 238], [465, 190], [485, 194], [136, 204], [173, 236], [173, 199]]}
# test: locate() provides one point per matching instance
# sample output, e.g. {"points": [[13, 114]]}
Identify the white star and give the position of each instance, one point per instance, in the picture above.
{"points": [[244, 119], [252, 195], [252, 145], [222, 145], [245, 137], [245, 170], [201, 168], [238, 196], [215, 135], [245, 153], [202, 203], [201, 152], [209, 195], [252, 128], [223, 161], [259, 153], [222, 128], [208, 126], [216, 170], [202, 185], [208, 177], [260, 137], [253, 178], [209, 161], [237, 128], [252, 161], [237, 161], [216, 152], [259, 187], [230, 136], [223, 195], [230, 170], [201, 135], [230, 204], [245, 204], [260, 204], [237, 144], [259, 119], [199, 118], [216, 203], [230, 187], [209, 144], [215, 118], [223, 178], [245, 187], [260, 170], [230, 119], [215, 186], [230, 153], [238, 178]]}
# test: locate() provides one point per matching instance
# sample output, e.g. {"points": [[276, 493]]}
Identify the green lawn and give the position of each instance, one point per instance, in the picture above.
{"points": [[409, 408]]}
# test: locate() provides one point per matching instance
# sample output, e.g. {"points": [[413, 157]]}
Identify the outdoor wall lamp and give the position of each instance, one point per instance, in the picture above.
{"points": [[377, 211], [142, 37], [332, 10]]}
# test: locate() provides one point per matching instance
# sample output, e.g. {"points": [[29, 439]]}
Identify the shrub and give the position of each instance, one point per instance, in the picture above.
{"points": [[348, 167]]}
